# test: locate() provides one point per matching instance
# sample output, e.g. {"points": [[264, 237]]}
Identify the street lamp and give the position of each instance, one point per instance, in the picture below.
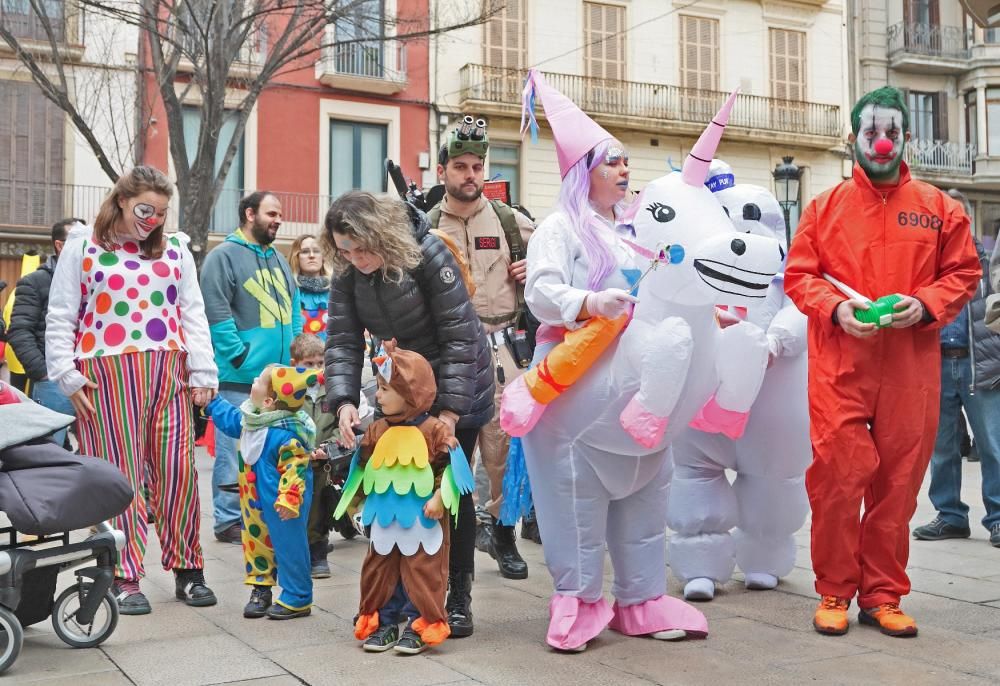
{"points": [[786, 186]]}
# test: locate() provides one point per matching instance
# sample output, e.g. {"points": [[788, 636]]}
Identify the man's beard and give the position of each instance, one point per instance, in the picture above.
{"points": [[462, 195], [261, 233]]}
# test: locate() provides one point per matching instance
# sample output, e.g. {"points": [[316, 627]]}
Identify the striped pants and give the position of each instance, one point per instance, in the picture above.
{"points": [[143, 424]]}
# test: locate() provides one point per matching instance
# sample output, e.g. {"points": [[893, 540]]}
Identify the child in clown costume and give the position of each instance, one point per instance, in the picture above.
{"points": [[411, 470], [275, 485]]}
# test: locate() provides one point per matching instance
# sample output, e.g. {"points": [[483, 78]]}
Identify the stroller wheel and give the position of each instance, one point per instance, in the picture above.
{"points": [[83, 635], [11, 638]]}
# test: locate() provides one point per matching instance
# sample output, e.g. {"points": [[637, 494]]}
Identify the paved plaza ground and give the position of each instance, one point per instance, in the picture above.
{"points": [[754, 637]]}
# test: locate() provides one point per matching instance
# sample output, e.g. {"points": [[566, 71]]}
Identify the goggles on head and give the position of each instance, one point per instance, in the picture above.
{"points": [[469, 137]]}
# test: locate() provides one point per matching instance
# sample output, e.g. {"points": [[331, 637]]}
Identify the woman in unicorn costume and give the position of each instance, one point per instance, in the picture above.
{"points": [[767, 502], [596, 485]]}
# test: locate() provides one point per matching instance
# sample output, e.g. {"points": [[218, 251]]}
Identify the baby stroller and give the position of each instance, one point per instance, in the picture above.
{"points": [[46, 492]]}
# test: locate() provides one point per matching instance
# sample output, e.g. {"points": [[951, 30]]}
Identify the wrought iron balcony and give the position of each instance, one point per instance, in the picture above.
{"points": [[919, 40], [368, 66], [656, 103], [940, 157]]}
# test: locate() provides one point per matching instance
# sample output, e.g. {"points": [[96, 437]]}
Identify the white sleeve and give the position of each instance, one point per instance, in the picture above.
{"points": [[788, 331], [552, 252], [62, 317], [201, 360]]}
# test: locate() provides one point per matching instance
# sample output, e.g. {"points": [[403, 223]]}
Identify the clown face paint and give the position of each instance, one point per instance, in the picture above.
{"points": [[143, 214], [879, 142]]}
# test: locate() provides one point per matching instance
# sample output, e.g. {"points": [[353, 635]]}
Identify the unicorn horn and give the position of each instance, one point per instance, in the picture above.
{"points": [[695, 169]]}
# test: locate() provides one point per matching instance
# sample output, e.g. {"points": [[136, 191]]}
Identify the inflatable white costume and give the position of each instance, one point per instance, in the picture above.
{"points": [[767, 502], [597, 456]]}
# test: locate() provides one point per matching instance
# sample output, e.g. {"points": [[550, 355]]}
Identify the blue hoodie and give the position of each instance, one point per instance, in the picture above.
{"points": [[253, 308]]}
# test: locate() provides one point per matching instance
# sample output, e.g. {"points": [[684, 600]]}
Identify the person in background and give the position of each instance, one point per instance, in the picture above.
{"points": [[313, 279], [26, 332], [970, 381]]}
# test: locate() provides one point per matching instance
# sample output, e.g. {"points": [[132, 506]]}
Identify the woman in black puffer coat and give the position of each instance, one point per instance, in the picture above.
{"points": [[397, 280]]}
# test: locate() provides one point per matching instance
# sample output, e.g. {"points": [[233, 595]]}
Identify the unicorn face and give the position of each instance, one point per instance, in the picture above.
{"points": [[708, 261]]}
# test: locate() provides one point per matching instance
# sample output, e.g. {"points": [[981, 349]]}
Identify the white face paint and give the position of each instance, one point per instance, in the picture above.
{"points": [[880, 141]]}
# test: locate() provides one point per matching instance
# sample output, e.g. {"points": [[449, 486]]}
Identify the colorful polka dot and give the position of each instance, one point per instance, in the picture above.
{"points": [[103, 303], [136, 318], [132, 293], [121, 309], [143, 280], [88, 264], [99, 277], [116, 282], [114, 335], [156, 330], [171, 294], [156, 298], [172, 254], [132, 248], [143, 304], [131, 264], [161, 270], [87, 342], [136, 335], [108, 259]]}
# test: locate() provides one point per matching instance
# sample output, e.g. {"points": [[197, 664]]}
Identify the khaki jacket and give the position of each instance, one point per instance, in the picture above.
{"points": [[484, 246]]}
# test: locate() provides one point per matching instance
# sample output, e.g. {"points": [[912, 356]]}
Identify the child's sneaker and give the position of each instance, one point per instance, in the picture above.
{"points": [[260, 601], [890, 619], [277, 611], [410, 643], [385, 637]]}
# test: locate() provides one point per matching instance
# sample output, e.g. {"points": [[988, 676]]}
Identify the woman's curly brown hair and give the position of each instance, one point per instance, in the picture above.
{"points": [[379, 224]]}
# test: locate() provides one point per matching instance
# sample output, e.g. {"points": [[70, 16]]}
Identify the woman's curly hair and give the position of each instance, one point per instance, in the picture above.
{"points": [[379, 224]]}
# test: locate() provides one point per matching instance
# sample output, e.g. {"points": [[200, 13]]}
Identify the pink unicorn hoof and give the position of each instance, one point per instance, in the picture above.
{"points": [[715, 419], [643, 426], [519, 411]]}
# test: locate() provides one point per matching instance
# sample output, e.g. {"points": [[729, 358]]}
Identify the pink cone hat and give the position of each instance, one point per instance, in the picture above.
{"points": [[574, 132], [695, 169]]}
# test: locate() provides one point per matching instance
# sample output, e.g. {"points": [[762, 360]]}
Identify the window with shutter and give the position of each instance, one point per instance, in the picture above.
{"points": [[699, 52], [604, 38], [788, 78], [32, 156], [505, 49]]}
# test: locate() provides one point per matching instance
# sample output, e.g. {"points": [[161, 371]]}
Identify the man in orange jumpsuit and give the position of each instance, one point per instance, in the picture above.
{"points": [[873, 392]]}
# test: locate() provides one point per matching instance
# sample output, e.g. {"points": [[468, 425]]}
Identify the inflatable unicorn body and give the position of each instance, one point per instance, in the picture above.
{"points": [[598, 454], [767, 502]]}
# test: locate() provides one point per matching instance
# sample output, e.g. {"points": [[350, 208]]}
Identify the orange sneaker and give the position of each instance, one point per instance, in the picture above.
{"points": [[890, 619], [831, 615]]}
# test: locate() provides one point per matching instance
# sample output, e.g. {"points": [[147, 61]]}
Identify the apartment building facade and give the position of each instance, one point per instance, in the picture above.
{"points": [[949, 70], [653, 73]]}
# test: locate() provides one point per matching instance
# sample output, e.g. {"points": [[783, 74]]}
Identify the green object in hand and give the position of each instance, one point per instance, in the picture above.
{"points": [[879, 312]]}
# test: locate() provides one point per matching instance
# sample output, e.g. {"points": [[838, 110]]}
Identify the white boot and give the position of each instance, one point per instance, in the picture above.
{"points": [[699, 589], [760, 581]]}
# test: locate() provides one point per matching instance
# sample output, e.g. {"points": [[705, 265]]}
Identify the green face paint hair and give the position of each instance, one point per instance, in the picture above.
{"points": [[886, 96]]}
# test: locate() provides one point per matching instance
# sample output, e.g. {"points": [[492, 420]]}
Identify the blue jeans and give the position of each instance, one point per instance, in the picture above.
{"points": [[983, 410], [226, 470], [399, 608], [47, 394]]}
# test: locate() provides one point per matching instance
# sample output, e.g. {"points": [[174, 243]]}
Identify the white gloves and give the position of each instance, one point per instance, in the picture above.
{"points": [[609, 303]]}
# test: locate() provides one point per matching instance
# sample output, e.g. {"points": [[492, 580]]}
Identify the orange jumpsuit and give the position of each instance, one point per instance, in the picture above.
{"points": [[874, 402]]}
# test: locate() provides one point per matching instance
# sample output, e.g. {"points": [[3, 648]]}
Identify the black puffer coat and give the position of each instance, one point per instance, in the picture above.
{"points": [[986, 344], [428, 312], [26, 329]]}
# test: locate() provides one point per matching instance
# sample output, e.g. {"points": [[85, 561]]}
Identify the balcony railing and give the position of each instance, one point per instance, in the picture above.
{"points": [[369, 59], [941, 157], [929, 40], [656, 101], [24, 23], [38, 205]]}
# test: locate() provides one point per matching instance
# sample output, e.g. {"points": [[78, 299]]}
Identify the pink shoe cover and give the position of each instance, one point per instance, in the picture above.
{"points": [[715, 419], [519, 411], [573, 622], [659, 614], [645, 428]]}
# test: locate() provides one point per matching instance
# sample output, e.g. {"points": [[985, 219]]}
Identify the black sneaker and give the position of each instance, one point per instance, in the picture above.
{"points": [[189, 586], [385, 637], [995, 535], [939, 530], [319, 567], [130, 599], [231, 534], [410, 643], [281, 612], [260, 601]]}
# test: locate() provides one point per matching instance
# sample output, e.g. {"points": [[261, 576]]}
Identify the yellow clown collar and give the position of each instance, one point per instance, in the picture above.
{"points": [[290, 383]]}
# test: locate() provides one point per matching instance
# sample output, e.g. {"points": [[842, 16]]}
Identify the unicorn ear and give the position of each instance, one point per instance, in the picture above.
{"points": [[695, 170]]}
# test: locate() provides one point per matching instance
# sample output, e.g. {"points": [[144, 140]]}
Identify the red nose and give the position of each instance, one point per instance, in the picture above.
{"points": [[883, 146]]}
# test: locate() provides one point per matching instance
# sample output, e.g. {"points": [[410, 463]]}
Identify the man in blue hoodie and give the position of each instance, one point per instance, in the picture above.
{"points": [[253, 310]]}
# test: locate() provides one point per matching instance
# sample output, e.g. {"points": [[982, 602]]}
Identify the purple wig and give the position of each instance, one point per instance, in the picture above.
{"points": [[574, 200]]}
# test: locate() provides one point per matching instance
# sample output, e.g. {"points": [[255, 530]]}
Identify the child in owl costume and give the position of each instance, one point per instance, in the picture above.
{"points": [[411, 470], [275, 485]]}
